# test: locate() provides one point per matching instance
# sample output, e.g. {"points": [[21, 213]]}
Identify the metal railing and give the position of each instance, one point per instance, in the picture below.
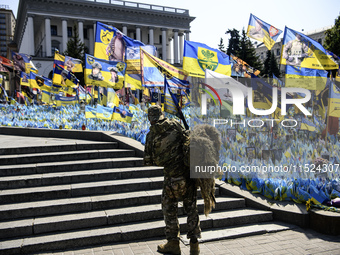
{"points": [[143, 6]]}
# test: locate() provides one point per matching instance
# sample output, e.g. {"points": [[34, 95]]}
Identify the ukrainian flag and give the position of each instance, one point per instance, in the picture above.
{"points": [[154, 69], [68, 63], [197, 57], [90, 112], [121, 114], [40, 82], [334, 101], [299, 77], [62, 101], [64, 77], [104, 73], [110, 43], [45, 97], [262, 31], [300, 50], [24, 79], [104, 113], [307, 125]]}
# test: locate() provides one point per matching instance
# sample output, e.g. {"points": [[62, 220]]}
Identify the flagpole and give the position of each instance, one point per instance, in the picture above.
{"points": [[328, 107]]}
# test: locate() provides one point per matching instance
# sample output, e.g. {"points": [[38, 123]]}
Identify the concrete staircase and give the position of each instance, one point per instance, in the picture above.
{"points": [[68, 196]]}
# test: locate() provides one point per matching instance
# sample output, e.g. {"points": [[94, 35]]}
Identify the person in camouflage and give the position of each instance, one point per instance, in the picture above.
{"points": [[167, 145]]}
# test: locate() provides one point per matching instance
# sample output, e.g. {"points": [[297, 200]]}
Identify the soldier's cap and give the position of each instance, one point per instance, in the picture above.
{"points": [[97, 65], [155, 113]]}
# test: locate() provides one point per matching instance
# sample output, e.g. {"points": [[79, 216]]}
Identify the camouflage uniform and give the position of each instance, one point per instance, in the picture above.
{"points": [[166, 145]]}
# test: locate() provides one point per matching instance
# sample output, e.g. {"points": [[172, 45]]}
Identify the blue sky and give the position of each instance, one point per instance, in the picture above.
{"points": [[215, 17]]}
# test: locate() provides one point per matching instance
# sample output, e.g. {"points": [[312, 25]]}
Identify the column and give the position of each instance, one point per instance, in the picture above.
{"points": [[81, 30], [64, 35], [181, 46], [187, 32], [125, 31], [138, 37], [168, 50], [48, 47], [30, 33], [176, 46], [151, 36], [164, 40], [94, 30], [132, 35], [91, 40]]}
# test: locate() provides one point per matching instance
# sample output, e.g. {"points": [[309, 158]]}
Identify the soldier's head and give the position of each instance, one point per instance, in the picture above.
{"points": [[155, 114]]}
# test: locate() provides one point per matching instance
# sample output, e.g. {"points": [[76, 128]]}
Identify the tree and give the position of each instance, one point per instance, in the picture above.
{"points": [[332, 39], [274, 67], [221, 46], [266, 67], [234, 42]]}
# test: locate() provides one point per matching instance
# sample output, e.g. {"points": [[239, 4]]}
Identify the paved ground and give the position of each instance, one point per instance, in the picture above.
{"points": [[297, 241]]}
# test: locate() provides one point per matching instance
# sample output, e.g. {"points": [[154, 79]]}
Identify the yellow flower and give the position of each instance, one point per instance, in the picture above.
{"points": [[308, 204]]}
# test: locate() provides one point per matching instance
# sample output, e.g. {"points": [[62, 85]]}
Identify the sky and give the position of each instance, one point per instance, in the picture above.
{"points": [[215, 17]]}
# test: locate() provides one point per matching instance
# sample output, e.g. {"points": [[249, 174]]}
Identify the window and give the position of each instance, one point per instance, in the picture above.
{"points": [[85, 34], [3, 26], [55, 46], [69, 31], [54, 30], [160, 39]]}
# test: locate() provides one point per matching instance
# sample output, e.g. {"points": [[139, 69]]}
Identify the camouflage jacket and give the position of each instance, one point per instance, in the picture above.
{"points": [[167, 145]]}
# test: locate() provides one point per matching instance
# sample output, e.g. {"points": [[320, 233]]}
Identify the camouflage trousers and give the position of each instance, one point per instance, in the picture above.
{"points": [[175, 190]]}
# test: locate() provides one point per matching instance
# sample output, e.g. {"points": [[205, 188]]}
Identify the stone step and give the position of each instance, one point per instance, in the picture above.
{"points": [[85, 145], [58, 178], [64, 156], [39, 225], [79, 189], [110, 234], [66, 166], [81, 204], [233, 232]]}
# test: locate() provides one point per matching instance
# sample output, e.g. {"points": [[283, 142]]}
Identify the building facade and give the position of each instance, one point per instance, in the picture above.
{"points": [[7, 26], [261, 50], [44, 26]]}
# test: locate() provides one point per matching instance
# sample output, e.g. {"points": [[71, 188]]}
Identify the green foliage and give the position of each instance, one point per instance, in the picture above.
{"points": [[234, 42], [75, 48], [270, 66], [332, 39], [221, 46]]}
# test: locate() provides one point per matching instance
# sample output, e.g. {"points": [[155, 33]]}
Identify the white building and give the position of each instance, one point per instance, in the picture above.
{"points": [[44, 26]]}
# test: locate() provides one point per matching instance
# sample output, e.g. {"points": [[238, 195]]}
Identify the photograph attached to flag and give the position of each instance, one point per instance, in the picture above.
{"points": [[262, 31], [24, 79], [240, 68], [73, 65], [104, 73], [40, 82], [334, 101], [197, 57], [301, 50], [64, 77], [110, 43], [154, 69]]}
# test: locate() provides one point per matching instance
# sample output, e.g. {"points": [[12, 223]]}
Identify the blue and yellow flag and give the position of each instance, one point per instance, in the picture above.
{"points": [[90, 112], [154, 69], [121, 114], [64, 77], [300, 50], [111, 43], [307, 125], [262, 31], [197, 57], [334, 101], [24, 79], [277, 82], [104, 73], [45, 96], [62, 101], [112, 98], [40, 82], [104, 113], [133, 75], [298, 77], [73, 65], [23, 62], [240, 68]]}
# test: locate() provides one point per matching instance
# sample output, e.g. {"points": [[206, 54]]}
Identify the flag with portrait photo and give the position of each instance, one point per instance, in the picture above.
{"points": [[64, 77], [120, 114], [24, 79], [73, 65], [334, 101], [153, 71], [262, 31], [3, 69], [301, 50], [198, 56], [104, 73], [133, 76], [240, 68], [110, 43]]}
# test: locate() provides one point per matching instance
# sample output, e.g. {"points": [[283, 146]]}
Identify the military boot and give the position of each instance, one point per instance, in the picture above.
{"points": [[194, 248], [171, 247]]}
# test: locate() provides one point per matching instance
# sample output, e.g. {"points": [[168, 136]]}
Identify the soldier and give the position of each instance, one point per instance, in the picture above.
{"points": [[295, 51], [96, 72], [167, 145]]}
